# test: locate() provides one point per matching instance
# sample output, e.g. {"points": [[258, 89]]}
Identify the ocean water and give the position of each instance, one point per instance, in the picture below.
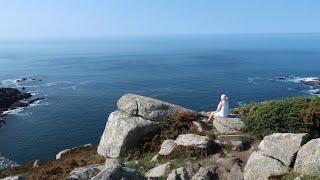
{"points": [[82, 79]]}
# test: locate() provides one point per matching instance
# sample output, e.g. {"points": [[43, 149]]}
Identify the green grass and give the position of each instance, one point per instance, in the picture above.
{"points": [[293, 175]]}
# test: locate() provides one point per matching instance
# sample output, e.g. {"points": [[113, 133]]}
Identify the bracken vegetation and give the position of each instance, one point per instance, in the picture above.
{"points": [[140, 157], [58, 169], [295, 114], [169, 129]]}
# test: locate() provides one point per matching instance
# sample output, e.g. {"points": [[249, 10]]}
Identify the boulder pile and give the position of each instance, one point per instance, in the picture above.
{"points": [[281, 153]]}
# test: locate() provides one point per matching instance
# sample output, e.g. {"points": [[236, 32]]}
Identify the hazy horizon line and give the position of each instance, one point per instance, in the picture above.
{"points": [[150, 35]]}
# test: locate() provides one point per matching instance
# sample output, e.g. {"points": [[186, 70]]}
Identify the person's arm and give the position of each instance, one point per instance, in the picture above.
{"points": [[219, 106]]}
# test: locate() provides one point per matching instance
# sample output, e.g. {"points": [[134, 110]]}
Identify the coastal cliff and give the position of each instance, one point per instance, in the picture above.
{"points": [[147, 138]]}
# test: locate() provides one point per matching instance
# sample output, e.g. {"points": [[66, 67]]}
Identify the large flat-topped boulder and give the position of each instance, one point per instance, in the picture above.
{"points": [[283, 146], [123, 132], [229, 125], [184, 140], [308, 159], [193, 140], [149, 108]]}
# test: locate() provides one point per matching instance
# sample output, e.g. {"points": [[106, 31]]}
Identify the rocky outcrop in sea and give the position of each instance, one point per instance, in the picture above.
{"points": [[10, 98], [16, 97]]}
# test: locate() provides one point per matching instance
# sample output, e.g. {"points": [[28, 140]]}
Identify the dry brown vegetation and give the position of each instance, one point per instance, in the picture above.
{"points": [[58, 169], [171, 129]]}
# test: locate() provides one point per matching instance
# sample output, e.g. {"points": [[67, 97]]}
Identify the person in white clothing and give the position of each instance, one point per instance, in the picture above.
{"points": [[222, 109]]}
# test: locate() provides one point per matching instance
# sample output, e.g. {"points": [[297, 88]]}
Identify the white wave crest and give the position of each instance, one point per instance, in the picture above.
{"points": [[14, 111], [57, 83], [10, 83], [7, 163]]}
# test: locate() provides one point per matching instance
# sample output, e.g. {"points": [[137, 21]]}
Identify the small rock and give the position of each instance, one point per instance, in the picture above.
{"points": [[167, 147], [66, 151], [178, 174], [86, 172], [114, 169], [155, 158], [17, 177], [206, 173], [58, 156], [281, 78], [159, 171], [192, 169], [36, 164]]}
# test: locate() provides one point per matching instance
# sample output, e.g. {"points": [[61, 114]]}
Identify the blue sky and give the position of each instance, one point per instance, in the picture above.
{"points": [[96, 18]]}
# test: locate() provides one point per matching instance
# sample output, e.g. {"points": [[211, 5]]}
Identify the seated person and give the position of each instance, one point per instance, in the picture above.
{"points": [[222, 109]]}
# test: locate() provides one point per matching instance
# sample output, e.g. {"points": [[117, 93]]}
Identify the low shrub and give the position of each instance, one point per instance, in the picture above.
{"points": [[295, 115]]}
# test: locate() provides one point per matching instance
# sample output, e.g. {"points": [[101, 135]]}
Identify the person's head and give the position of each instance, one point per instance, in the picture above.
{"points": [[224, 97]]}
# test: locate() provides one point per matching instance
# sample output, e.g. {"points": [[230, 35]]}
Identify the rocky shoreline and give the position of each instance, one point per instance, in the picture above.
{"points": [[147, 138], [313, 82], [14, 98]]}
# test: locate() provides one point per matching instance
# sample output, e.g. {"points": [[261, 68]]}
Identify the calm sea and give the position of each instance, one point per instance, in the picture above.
{"points": [[82, 80]]}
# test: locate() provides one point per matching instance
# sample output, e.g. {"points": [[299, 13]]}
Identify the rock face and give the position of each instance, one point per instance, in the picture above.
{"points": [[137, 117], [192, 140], [148, 108], [230, 125], [159, 171], [114, 169], [308, 158], [123, 132], [167, 147], [87, 172], [263, 167], [283, 146]]}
